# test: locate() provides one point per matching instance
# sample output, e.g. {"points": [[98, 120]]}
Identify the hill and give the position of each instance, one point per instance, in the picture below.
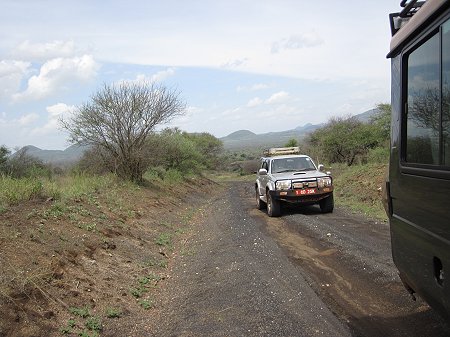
{"points": [[57, 157], [246, 139], [237, 140]]}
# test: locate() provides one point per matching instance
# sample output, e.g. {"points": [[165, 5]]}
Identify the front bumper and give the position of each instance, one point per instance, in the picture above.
{"points": [[294, 196]]}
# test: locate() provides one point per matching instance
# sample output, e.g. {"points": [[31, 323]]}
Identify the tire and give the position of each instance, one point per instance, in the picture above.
{"points": [[259, 203], [273, 206], [327, 204]]}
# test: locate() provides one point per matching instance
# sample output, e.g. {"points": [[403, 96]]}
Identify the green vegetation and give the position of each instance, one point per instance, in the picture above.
{"points": [[164, 239], [347, 140], [358, 154], [358, 187], [291, 143], [94, 324], [118, 120], [81, 312], [113, 313], [146, 304]]}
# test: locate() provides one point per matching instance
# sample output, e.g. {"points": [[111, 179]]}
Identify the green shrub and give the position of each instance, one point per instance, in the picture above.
{"points": [[13, 191], [173, 176], [378, 155], [81, 312]]}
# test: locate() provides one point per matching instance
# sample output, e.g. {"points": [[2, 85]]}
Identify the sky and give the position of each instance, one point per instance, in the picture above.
{"points": [[263, 66]]}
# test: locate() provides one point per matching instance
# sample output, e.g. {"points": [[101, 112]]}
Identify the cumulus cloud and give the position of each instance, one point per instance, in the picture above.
{"points": [[28, 119], [162, 75], [279, 97], [57, 73], [11, 74], [157, 77], [305, 40], [254, 102], [44, 51], [55, 113]]}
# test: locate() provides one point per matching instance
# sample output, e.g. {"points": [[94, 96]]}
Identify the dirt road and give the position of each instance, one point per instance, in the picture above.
{"points": [[304, 274]]}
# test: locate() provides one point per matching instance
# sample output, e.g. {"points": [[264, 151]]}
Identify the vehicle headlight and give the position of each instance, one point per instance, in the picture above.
{"points": [[324, 182], [283, 185]]}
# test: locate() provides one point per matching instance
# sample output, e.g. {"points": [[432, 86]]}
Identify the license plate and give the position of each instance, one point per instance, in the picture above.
{"points": [[306, 191]]}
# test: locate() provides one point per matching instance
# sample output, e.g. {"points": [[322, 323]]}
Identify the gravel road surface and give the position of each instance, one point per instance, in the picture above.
{"points": [[303, 274]]}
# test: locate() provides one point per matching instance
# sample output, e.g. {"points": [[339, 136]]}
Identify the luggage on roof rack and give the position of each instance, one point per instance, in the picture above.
{"points": [[279, 151]]}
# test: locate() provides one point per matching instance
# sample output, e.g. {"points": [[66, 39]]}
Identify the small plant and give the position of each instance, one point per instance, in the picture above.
{"points": [[55, 211], [138, 292], [68, 328], [94, 324], [146, 304], [164, 239], [81, 312], [154, 277], [91, 227], [144, 280], [180, 231], [113, 313]]}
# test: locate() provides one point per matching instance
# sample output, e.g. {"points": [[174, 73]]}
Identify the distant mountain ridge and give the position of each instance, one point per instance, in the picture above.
{"points": [[237, 140], [57, 157], [247, 139]]}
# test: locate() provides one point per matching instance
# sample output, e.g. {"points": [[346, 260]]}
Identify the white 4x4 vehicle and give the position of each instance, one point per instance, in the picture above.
{"points": [[287, 176]]}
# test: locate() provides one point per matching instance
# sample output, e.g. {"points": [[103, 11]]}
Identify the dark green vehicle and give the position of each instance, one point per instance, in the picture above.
{"points": [[418, 187]]}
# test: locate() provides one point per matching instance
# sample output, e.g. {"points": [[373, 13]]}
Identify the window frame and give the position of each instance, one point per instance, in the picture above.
{"points": [[430, 170]]}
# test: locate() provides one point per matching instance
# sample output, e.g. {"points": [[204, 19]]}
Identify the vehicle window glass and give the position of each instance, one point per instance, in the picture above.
{"points": [[423, 119], [292, 165], [446, 93], [264, 165]]}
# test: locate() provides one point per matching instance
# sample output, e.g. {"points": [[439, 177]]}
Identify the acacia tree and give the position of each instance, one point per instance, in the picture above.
{"points": [[119, 118], [341, 140]]}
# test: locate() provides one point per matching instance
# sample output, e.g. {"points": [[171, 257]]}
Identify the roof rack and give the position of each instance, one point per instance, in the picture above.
{"points": [[397, 20], [279, 151]]}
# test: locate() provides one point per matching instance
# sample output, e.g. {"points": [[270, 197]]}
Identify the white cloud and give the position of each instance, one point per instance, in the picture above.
{"points": [[305, 40], [60, 110], [162, 75], [44, 51], [11, 74], [28, 119], [279, 97], [58, 73], [254, 102], [55, 113], [235, 63], [157, 77]]}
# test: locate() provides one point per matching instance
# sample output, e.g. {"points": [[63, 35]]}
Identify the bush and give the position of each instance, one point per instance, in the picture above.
{"points": [[173, 176], [378, 155], [187, 153], [13, 190], [21, 165]]}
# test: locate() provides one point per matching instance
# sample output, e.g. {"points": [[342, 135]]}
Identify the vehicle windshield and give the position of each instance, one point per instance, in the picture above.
{"points": [[292, 165]]}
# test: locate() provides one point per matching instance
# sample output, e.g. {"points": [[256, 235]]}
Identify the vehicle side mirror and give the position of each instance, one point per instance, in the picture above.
{"points": [[262, 172], [321, 167]]}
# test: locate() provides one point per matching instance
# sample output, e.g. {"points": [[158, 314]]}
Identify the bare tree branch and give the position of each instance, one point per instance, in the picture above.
{"points": [[119, 118]]}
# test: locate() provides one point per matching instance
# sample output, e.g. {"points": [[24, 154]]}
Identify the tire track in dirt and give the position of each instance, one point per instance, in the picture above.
{"points": [[361, 291]]}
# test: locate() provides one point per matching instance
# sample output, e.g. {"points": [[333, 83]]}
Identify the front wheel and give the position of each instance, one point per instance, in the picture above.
{"points": [[273, 206], [327, 204], [259, 203]]}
